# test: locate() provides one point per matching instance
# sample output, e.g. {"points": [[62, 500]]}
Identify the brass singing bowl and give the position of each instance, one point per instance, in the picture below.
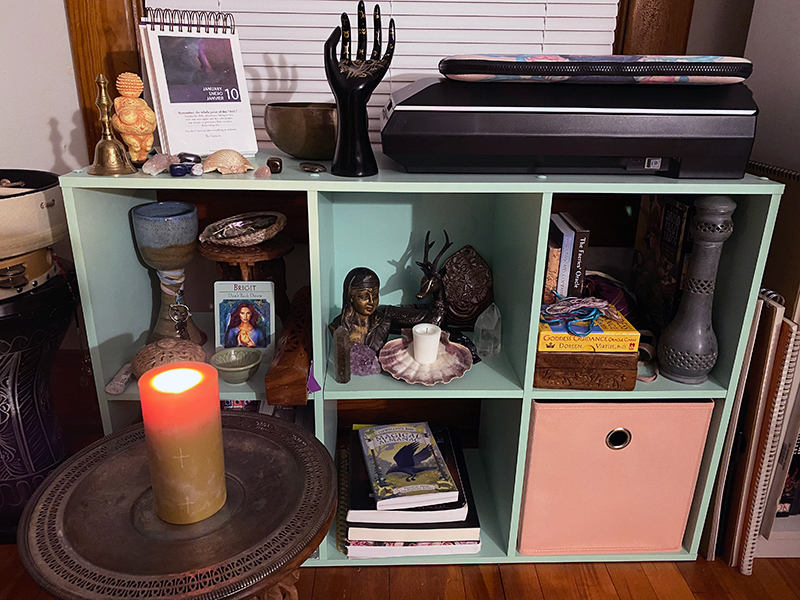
{"points": [[302, 129]]}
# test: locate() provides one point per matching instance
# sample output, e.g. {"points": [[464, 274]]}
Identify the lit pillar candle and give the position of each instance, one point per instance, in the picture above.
{"points": [[426, 342], [183, 429]]}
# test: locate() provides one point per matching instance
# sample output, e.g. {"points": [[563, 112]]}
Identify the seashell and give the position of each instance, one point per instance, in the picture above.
{"points": [[130, 85], [159, 163], [262, 172], [397, 359], [227, 162]]}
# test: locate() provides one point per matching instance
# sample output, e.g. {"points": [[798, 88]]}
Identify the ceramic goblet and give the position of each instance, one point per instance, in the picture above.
{"points": [[166, 233]]}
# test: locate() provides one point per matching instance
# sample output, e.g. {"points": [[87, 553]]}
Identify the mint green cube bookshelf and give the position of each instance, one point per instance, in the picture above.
{"points": [[381, 222]]}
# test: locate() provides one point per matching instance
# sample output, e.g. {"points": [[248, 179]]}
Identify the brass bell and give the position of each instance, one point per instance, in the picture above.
{"points": [[110, 156]]}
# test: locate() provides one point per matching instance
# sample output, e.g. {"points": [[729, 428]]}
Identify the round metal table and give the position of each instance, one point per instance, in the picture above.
{"points": [[90, 530]]}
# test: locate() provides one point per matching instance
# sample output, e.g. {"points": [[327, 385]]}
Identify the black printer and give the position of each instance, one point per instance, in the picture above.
{"points": [[443, 126]]}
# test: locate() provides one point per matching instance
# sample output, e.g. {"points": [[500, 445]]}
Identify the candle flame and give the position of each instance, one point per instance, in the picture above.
{"points": [[176, 380]]}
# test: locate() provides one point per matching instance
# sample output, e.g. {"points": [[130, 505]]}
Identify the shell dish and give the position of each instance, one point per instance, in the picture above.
{"points": [[227, 162], [246, 229], [453, 361]]}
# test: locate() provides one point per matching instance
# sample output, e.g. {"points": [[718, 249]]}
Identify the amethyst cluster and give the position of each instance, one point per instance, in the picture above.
{"points": [[363, 360]]}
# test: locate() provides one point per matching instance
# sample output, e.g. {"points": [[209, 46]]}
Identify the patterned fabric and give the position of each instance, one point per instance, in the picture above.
{"points": [[573, 68]]}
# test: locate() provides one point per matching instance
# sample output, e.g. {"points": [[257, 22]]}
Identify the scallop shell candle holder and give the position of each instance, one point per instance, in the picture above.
{"points": [[687, 350], [452, 362], [165, 233]]}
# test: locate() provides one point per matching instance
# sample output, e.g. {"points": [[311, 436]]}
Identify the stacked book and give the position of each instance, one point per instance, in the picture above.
{"points": [[408, 494], [566, 258]]}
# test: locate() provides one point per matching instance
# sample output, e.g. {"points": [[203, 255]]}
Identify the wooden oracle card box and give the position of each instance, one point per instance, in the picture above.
{"points": [[586, 370]]}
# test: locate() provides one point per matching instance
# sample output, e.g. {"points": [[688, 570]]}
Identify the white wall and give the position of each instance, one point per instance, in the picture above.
{"points": [[773, 45], [719, 27], [41, 126]]}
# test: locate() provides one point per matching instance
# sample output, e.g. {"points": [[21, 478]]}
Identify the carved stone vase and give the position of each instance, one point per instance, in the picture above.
{"points": [[687, 350]]}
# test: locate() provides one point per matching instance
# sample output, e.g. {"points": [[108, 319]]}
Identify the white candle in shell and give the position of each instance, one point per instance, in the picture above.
{"points": [[426, 342]]}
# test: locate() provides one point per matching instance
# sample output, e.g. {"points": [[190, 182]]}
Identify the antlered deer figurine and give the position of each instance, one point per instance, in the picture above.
{"points": [[431, 284]]}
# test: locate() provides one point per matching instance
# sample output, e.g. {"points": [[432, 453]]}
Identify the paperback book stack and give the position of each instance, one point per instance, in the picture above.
{"points": [[408, 494]]}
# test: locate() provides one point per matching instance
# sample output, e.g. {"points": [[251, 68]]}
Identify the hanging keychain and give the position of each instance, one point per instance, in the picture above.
{"points": [[180, 314]]}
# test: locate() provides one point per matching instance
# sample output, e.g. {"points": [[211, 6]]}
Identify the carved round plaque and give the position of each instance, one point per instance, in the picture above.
{"points": [[468, 287]]}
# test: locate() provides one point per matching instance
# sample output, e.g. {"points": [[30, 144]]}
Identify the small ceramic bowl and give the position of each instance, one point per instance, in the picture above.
{"points": [[304, 130], [237, 365]]}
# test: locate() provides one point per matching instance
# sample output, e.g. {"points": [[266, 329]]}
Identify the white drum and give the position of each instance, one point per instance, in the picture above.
{"points": [[20, 274], [33, 214]]}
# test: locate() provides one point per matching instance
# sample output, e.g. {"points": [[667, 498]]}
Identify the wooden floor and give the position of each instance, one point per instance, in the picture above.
{"points": [[772, 579]]}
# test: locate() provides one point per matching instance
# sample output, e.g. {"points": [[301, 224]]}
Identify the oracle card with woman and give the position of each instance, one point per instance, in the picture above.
{"points": [[244, 314]]}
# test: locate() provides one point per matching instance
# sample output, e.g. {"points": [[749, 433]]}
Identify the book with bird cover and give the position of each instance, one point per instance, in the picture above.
{"points": [[405, 466]]}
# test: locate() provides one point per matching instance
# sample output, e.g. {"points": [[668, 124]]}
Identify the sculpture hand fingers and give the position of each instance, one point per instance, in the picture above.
{"points": [[361, 53], [376, 49], [331, 63], [387, 58], [345, 37]]}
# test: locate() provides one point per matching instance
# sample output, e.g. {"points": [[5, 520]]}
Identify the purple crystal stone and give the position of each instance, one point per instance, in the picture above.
{"points": [[363, 360]]}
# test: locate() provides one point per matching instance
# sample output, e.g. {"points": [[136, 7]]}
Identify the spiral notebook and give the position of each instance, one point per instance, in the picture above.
{"points": [[197, 81], [768, 442], [743, 459]]}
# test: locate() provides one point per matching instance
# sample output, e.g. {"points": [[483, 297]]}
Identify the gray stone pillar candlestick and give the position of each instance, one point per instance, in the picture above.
{"points": [[687, 350]]}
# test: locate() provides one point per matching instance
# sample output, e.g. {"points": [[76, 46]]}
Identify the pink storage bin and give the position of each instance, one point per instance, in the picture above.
{"points": [[611, 478]]}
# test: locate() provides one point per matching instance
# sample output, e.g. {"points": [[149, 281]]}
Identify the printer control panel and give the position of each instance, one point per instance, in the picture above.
{"points": [[649, 163]]}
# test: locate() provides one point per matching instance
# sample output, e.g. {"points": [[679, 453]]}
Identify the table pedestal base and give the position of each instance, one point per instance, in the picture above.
{"points": [[283, 590]]}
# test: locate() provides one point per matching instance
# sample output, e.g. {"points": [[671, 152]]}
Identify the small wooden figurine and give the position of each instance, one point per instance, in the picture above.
{"points": [[133, 119]]}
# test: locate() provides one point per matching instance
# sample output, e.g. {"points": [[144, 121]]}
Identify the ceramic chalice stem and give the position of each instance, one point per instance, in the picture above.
{"points": [[687, 350], [165, 234]]}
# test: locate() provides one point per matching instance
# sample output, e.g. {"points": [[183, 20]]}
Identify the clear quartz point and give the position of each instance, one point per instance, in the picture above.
{"points": [[488, 332]]}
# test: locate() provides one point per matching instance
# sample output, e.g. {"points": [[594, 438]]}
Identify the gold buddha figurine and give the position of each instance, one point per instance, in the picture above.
{"points": [[133, 119]]}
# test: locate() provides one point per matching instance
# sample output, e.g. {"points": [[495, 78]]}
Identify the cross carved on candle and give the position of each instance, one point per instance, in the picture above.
{"points": [[186, 504], [181, 456]]}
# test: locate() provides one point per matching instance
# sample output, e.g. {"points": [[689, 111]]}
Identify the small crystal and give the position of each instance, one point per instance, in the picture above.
{"points": [[262, 172], [341, 355], [487, 330], [363, 361], [159, 163]]}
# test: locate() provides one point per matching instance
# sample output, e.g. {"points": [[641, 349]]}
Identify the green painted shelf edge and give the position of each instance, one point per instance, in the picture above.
{"points": [[660, 389], [391, 179]]}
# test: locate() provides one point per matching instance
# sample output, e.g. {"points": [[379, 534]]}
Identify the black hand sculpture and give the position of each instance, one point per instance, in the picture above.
{"points": [[352, 83]]}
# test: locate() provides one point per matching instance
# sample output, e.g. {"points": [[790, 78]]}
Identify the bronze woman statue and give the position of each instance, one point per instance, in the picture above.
{"points": [[365, 321]]}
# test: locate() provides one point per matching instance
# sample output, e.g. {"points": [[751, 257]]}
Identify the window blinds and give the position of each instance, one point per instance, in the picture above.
{"points": [[282, 40]]}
